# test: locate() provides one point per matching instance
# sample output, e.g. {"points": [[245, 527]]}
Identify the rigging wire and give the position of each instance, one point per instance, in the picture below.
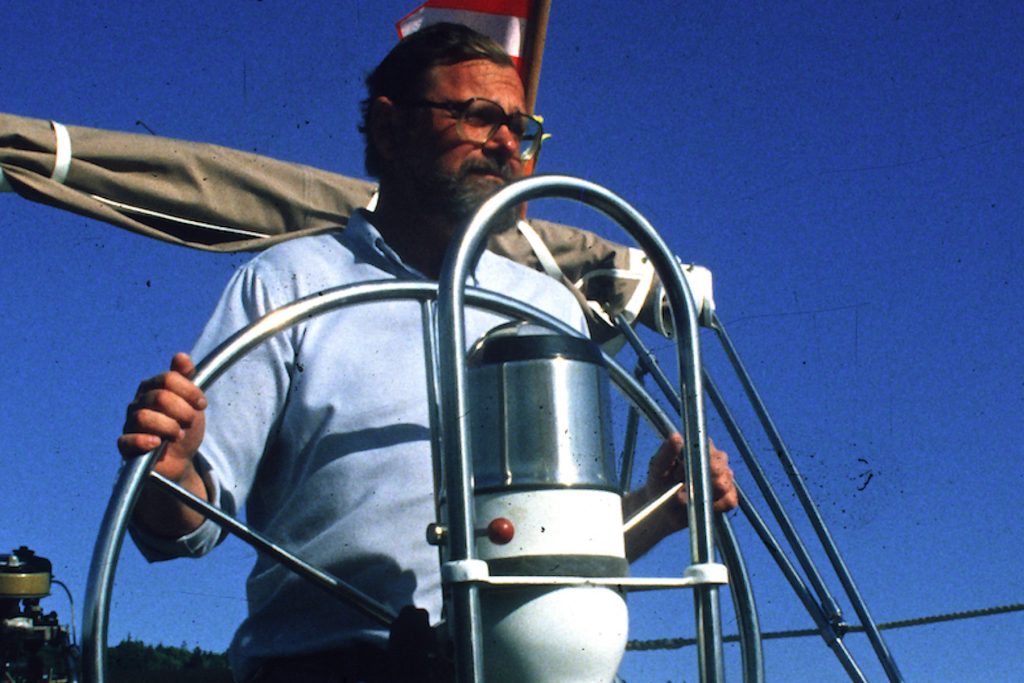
{"points": [[678, 643]]}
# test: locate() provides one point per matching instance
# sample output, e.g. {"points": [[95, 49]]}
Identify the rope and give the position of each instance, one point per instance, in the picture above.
{"points": [[678, 643]]}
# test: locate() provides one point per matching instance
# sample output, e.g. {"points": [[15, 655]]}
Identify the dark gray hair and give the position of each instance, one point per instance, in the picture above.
{"points": [[400, 77]]}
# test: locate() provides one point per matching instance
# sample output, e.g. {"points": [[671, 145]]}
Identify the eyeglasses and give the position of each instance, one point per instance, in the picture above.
{"points": [[477, 120]]}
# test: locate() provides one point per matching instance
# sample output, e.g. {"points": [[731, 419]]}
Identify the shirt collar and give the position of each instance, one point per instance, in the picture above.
{"points": [[362, 231]]}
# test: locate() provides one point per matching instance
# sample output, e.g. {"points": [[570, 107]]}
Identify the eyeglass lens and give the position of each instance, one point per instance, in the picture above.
{"points": [[482, 119]]}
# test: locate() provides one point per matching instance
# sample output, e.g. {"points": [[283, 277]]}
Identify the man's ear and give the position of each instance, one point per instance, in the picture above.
{"points": [[386, 128]]}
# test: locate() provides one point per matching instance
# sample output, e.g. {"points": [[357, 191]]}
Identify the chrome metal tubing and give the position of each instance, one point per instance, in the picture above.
{"points": [[458, 265], [826, 614], [824, 625], [133, 473], [100, 581], [749, 637], [336, 587], [629, 449], [760, 478], [827, 611], [638, 398], [646, 360], [433, 402], [747, 622], [829, 545], [827, 603], [825, 620]]}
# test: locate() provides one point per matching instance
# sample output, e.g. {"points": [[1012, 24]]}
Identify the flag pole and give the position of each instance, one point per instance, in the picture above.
{"points": [[533, 49], [533, 52]]}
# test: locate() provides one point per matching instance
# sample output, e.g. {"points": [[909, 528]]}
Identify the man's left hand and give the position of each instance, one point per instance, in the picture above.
{"points": [[665, 471], [668, 468]]}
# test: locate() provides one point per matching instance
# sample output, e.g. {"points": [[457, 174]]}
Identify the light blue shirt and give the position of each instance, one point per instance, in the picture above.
{"points": [[322, 434]]}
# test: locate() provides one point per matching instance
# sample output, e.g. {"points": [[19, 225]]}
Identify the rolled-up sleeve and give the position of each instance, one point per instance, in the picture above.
{"points": [[244, 404]]}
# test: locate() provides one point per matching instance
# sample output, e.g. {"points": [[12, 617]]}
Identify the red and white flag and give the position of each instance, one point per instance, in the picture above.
{"points": [[503, 20]]}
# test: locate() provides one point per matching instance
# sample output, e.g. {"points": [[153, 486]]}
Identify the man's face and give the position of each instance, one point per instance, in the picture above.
{"points": [[453, 176]]}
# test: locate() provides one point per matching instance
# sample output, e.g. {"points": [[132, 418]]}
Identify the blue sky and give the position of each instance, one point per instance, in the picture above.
{"points": [[851, 172]]}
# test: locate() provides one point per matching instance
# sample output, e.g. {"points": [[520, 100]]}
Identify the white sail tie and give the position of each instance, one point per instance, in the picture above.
{"points": [[544, 256], [62, 153]]}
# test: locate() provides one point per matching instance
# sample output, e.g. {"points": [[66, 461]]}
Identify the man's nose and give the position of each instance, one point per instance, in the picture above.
{"points": [[504, 141]]}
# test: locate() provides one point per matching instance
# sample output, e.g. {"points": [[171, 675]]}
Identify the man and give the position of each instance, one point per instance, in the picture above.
{"points": [[322, 432]]}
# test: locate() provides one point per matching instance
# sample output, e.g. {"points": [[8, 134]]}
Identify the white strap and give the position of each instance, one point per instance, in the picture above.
{"points": [[371, 205], [640, 269], [638, 261], [547, 260], [61, 157], [62, 153]]}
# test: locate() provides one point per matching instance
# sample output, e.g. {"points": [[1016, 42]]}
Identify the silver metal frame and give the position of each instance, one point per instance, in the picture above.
{"points": [[444, 347], [134, 473], [824, 610], [826, 613], [458, 476]]}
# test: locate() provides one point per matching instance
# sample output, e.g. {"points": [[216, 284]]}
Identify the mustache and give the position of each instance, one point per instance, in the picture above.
{"points": [[488, 166]]}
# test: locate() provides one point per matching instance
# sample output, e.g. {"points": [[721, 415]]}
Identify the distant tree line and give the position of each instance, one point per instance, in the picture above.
{"points": [[132, 661]]}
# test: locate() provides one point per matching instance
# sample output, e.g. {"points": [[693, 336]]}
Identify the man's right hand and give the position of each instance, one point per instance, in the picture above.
{"points": [[168, 407]]}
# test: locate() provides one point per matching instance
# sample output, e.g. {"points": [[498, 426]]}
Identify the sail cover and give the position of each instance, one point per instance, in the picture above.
{"points": [[194, 194], [214, 198]]}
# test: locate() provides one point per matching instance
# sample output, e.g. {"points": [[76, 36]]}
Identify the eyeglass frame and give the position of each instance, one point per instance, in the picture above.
{"points": [[458, 110]]}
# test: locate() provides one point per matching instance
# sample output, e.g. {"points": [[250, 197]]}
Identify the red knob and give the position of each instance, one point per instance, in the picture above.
{"points": [[500, 531]]}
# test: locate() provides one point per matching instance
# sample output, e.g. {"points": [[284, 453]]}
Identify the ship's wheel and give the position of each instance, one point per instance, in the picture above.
{"points": [[463, 570]]}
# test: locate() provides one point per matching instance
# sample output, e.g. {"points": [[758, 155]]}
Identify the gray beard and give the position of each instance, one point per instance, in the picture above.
{"points": [[460, 196]]}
